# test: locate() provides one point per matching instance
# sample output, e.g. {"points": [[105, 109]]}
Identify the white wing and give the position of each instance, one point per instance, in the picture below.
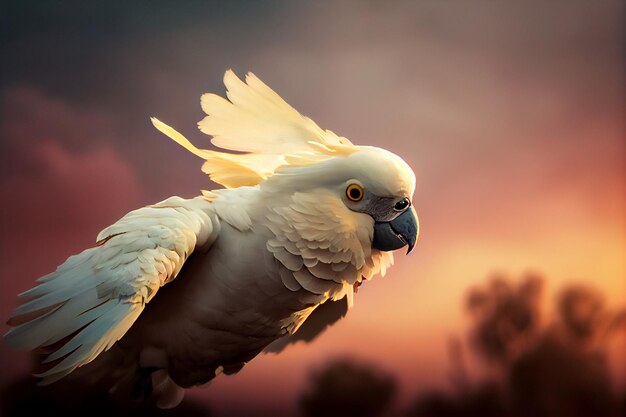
{"points": [[93, 298]]}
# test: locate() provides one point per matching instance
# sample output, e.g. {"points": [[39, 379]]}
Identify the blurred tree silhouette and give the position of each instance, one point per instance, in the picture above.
{"points": [[506, 317], [585, 320], [348, 389], [555, 370]]}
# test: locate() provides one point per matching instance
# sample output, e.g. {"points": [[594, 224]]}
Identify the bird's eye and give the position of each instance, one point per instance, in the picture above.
{"points": [[354, 192], [402, 204]]}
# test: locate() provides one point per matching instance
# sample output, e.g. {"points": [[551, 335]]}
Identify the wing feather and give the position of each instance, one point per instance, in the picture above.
{"points": [[95, 297]]}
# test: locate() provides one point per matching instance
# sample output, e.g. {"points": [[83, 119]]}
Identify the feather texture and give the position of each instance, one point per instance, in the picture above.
{"points": [[324, 248], [257, 121], [94, 297]]}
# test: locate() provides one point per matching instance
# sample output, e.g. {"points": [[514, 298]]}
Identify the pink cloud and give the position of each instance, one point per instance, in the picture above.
{"points": [[57, 193], [31, 117]]}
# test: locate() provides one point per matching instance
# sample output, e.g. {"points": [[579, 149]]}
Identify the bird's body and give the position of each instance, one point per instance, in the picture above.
{"points": [[305, 218]]}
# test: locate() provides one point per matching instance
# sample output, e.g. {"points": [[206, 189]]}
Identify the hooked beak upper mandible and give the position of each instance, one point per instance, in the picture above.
{"points": [[401, 231]]}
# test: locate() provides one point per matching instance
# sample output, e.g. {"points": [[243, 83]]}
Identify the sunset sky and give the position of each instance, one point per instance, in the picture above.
{"points": [[510, 113]]}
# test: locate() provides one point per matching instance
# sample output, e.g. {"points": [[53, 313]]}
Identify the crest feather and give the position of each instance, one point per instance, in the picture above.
{"points": [[257, 121]]}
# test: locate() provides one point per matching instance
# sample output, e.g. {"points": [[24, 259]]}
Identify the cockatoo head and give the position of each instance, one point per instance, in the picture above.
{"points": [[382, 187], [369, 181], [282, 150]]}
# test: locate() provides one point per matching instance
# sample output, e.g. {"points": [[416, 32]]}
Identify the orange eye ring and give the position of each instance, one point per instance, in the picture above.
{"points": [[355, 193]]}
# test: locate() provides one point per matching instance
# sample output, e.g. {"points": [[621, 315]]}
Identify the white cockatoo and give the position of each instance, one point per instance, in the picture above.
{"points": [[175, 293]]}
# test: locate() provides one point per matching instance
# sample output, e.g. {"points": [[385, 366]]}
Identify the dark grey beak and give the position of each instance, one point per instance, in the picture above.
{"points": [[399, 232]]}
